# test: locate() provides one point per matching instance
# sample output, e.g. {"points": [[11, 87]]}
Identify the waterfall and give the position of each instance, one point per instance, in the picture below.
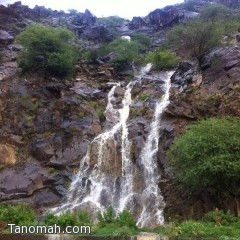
{"points": [[151, 195], [106, 173]]}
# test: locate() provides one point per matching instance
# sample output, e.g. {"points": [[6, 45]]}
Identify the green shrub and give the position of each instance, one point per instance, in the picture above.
{"points": [[111, 21], [17, 214], [214, 12], [63, 220], [107, 217], [195, 38], [84, 218], [143, 39], [208, 155], [219, 217], [190, 5], [68, 219], [162, 59], [126, 219], [126, 51], [47, 50]]}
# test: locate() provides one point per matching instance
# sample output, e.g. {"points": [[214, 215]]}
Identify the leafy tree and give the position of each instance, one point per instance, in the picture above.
{"points": [[162, 59], [196, 38], [126, 52], [48, 50], [208, 155], [189, 5], [214, 12], [143, 39]]}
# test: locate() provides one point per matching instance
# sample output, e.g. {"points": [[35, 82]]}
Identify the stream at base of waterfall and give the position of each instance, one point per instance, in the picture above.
{"points": [[107, 175]]}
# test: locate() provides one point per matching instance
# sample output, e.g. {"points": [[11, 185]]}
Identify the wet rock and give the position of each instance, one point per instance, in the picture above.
{"points": [[42, 150], [25, 179], [84, 19], [109, 57], [185, 74], [164, 17], [96, 33], [119, 92], [69, 155], [137, 147], [5, 37], [137, 23], [45, 197], [7, 155], [238, 37], [15, 47]]}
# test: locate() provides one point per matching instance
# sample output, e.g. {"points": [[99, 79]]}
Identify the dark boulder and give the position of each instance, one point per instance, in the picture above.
{"points": [[42, 150], [5, 37], [164, 17], [85, 19], [97, 33], [137, 23]]}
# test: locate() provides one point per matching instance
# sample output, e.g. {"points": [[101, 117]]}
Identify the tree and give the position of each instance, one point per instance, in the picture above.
{"points": [[208, 155], [196, 38], [126, 52], [47, 50], [162, 59], [214, 12]]}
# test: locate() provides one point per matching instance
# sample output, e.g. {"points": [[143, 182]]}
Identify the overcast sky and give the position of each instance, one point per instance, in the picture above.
{"points": [[122, 8]]}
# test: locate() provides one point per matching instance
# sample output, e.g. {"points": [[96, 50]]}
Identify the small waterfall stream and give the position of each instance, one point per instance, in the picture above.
{"points": [[98, 184], [151, 194]]}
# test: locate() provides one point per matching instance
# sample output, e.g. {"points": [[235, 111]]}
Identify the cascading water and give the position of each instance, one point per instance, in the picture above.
{"points": [[99, 182], [151, 196]]}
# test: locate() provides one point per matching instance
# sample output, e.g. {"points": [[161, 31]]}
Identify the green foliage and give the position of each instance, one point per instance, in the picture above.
{"points": [[219, 217], [84, 218], [122, 219], [107, 217], [214, 12], [47, 49], [17, 214], [201, 229], [126, 219], [162, 59], [126, 52], [111, 21], [143, 39], [190, 5], [91, 55], [68, 219], [117, 225], [207, 155], [196, 38]]}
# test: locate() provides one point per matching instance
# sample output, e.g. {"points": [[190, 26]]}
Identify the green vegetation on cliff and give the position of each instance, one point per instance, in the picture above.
{"points": [[197, 37], [207, 155], [47, 50], [126, 52], [162, 59]]}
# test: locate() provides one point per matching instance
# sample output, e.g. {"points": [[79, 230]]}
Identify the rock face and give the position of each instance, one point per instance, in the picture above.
{"points": [[86, 19], [5, 37], [214, 93], [7, 155], [164, 17], [137, 23]]}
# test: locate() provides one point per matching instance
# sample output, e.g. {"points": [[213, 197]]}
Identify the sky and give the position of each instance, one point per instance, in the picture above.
{"points": [[102, 8]]}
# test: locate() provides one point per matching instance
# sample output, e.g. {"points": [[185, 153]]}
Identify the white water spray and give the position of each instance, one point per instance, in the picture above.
{"points": [[151, 197], [98, 185]]}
